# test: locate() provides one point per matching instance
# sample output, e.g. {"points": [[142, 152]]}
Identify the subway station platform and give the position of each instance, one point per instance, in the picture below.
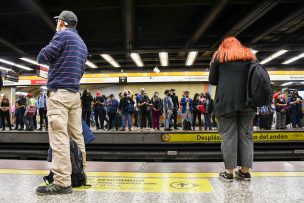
{"points": [[157, 182], [157, 145]]}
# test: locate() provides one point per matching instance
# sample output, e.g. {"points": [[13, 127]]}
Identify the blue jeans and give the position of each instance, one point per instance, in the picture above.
{"points": [[20, 113], [207, 121], [125, 116], [295, 120]]}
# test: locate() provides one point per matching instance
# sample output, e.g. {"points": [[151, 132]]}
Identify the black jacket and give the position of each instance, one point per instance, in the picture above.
{"points": [[86, 101], [124, 104], [175, 102], [231, 80]]}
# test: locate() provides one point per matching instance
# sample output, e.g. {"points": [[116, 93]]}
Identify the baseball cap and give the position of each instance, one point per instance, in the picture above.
{"points": [[68, 17]]}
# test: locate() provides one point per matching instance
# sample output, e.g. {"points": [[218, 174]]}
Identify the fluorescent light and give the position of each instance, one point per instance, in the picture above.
{"points": [[6, 69], [14, 64], [294, 59], [254, 51], [91, 64], [137, 60], [163, 56], [273, 56], [191, 58], [33, 62], [286, 84], [110, 60]]}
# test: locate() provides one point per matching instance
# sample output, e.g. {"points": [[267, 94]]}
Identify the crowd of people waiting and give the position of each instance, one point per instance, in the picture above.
{"points": [[143, 112], [25, 111], [285, 110], [146, 111]]}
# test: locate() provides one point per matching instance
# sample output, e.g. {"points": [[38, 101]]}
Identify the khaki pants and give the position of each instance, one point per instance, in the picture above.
{"points": [[64, 119]]}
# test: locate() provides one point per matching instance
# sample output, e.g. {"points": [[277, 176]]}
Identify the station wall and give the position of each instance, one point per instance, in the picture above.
{"points": [[150, 88]]}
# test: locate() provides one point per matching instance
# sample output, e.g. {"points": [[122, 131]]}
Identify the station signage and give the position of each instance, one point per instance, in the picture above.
{"points": [[113, 78], [209, 137]]}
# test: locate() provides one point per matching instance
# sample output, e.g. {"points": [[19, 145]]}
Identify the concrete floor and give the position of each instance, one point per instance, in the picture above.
{"points": [[272, 182]]}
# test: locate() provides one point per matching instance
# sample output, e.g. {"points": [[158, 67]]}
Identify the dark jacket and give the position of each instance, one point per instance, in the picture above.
{"points": [[157, 103], [195, 104], [209, 105], [175, 102], [124, 104], [98, 106], [231, 80], [86, 102]]}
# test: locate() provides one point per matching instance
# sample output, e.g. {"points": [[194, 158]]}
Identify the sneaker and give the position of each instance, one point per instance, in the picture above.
{"points": [[226, 177], [243, 176], [122, 129], [53, 189], [130, 129]]}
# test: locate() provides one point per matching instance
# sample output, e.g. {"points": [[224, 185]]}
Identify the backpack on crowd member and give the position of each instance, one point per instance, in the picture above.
{"points": [[259, 89], [78, 176], [201, 108], [186, 124]]}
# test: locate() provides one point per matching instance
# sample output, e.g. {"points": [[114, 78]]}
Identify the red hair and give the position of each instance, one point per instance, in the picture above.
{"points": [[231, 49]]}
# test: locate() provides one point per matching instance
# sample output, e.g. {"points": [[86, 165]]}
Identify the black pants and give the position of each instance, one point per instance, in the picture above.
{"points": [[174, 117], [5, 115], [111, 120], [35, 120], [99, 116], [43, 117], [144, 116], [197, 114], [86, 114], [135, 118]]}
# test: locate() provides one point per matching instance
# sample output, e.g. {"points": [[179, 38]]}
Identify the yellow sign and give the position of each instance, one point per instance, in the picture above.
{"points": [[216, 138], [148, 184]]}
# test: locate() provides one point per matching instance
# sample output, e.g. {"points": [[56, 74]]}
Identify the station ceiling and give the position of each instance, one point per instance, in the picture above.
{"points": [[147, 27]]}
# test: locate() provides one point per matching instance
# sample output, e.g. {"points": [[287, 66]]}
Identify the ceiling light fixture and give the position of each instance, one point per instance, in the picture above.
{"points": [[273, 56], [137, 60], [191, 58], [33, 62], [293, 59], [286, 84], [110, 60], [90, 64], [163, 56], [14, 64], [254, 51]]}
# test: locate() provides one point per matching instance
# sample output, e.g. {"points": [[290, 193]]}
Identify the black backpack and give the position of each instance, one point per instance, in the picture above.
{"points": [[259, 89], [78, 176], [187, 124]]}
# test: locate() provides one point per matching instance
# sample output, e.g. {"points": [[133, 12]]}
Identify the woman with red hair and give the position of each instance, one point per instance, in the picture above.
{"points": [[229, 71]]}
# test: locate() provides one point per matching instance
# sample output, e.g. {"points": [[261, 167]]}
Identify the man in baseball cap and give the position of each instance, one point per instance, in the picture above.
{"points": [[66, 55], [68, 17]]}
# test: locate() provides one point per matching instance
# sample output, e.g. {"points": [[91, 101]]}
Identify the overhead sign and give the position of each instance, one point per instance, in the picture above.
{"points": [[275, 136], [42, 72], [11, 76], [113, 78]]}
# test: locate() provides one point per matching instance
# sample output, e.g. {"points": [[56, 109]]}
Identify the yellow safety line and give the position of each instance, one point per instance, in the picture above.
{"points": [[151, 175]]}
